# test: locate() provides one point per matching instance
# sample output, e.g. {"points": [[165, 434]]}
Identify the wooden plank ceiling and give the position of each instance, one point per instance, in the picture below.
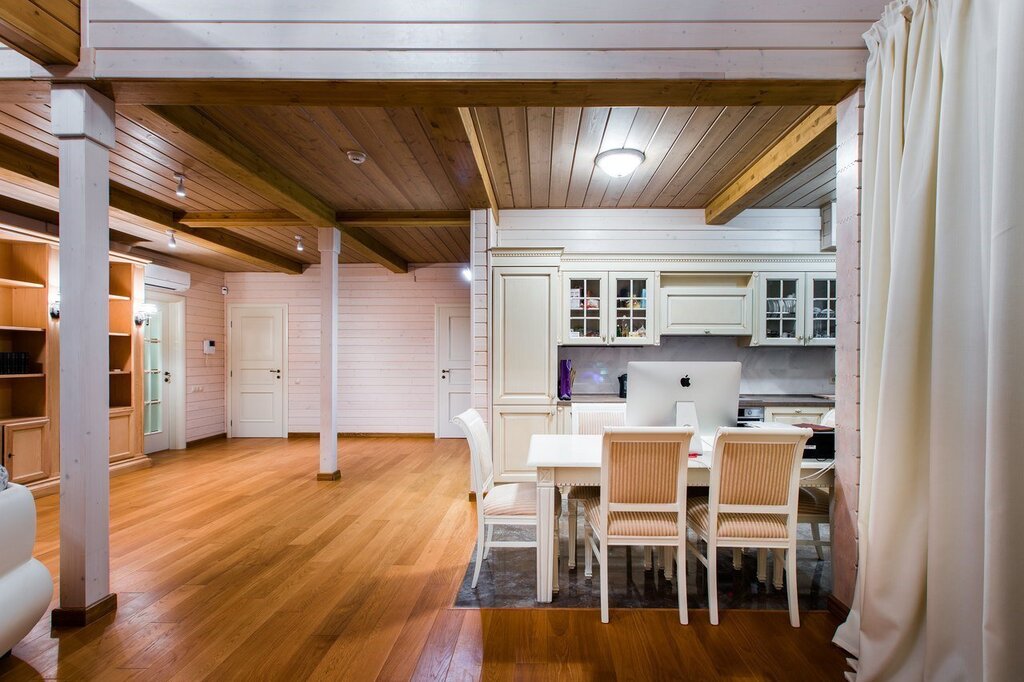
{"points": [[414, 161], [542, 157], [418, 162]]}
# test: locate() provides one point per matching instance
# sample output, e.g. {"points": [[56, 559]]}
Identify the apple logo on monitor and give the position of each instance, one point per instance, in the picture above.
{"points": [[685, 381]]}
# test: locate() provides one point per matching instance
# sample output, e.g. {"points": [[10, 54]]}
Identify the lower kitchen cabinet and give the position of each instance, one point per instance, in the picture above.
{"points": [[795, 415], [26, 450], [513, 426]]}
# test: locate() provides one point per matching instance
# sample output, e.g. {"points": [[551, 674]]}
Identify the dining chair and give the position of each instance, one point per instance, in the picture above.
{"points": [[642, 499], [506, 504], [589, 419], [755, 484]]}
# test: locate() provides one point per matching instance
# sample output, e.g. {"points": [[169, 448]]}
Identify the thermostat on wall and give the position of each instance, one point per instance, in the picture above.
{"points": [[209, 346]]}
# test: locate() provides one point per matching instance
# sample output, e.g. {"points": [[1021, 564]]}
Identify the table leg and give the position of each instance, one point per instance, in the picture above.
{"points": [[545, 530]]}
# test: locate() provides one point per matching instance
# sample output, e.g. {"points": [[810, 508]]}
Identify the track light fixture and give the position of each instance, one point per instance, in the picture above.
{"points": [[180, 177], [171, 241], [298, 243]]}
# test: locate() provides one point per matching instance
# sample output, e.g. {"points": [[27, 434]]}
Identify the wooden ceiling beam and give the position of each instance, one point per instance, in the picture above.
{"points": [[402, 219], [804, 143], [444, 126], [188, 129], [29, 167], [45, 32], [469, 123], [365, 244], [240, 219], [484, 93]]}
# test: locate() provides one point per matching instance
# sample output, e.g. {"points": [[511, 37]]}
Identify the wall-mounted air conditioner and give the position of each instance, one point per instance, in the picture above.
{"points": [[168, 279]]}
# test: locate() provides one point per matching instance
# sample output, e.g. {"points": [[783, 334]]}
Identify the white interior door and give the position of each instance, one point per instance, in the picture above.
{"points": [[156, 373], [257, 373], [454, 358]]}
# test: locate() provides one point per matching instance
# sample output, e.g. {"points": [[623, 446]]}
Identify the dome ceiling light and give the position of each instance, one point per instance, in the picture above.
{"points": [[619, 163]]}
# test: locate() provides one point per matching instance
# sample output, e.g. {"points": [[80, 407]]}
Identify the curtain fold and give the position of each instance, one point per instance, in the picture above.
{"points": [[941, 363]]}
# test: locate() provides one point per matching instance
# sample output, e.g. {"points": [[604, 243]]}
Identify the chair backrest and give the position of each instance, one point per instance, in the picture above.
{"points": [[829, 418], [482, 467], [756, 471], [644, 469], [592, 418]]}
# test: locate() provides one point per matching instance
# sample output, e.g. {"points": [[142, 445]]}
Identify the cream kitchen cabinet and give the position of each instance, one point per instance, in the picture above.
{"points": [[796, 309], [26, 450], [524, 318], [795, 415], [607, 308], [706, 304], [513, 426]]}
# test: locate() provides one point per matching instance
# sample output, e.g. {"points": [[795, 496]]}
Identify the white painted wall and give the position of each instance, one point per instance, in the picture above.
{"points": [[481, 393], [204, 374], [386, 375], [661, 231], [456, 39]]}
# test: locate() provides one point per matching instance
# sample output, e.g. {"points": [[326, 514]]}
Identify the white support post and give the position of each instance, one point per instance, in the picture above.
{"points": [[329, 240], [83, 121]]}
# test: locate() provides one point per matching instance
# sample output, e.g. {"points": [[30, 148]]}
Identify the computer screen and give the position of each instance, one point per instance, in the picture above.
{"points": [[656, 387]]}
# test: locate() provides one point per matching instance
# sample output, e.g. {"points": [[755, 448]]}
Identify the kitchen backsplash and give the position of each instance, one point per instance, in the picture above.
{"points": [[765, 369]]}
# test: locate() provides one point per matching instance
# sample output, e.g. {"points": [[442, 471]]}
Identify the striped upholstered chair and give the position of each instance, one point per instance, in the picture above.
{"points": [[642, 499], [589, 419], [755, 482], [507, 504]]}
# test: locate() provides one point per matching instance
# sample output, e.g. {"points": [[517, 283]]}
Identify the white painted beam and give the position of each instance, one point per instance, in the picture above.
{"points": [[83, 122], [329, 239]]}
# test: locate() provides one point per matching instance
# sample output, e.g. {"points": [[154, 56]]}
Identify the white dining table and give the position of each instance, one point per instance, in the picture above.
{"points": [[566, 460]]}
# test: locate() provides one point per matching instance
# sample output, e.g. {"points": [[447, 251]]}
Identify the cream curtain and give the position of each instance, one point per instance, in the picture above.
{"points": [[942, 393]]}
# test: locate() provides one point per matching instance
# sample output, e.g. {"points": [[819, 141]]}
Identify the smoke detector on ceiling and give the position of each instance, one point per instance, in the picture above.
{"points": [[356, 157]]}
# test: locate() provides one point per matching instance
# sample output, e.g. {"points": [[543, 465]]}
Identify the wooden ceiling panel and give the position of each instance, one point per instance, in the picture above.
{"points": [[543, 157], [812, 187]]}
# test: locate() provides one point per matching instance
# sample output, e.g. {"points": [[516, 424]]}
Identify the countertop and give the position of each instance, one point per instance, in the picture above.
{"points": [[746, 400]]}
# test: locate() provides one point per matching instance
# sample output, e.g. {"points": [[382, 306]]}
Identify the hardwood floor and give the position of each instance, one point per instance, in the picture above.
{"points": [[231, 562]]}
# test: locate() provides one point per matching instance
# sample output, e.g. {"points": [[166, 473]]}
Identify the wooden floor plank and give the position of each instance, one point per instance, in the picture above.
{"points": [[232, 562]]}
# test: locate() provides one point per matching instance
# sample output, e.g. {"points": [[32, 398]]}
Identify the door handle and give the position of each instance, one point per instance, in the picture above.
{"points": [[277, 371], [445, 373], [167, 377]]}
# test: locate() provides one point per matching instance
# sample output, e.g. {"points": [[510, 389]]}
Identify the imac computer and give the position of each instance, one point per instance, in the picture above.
{"points": [[656, 387]]}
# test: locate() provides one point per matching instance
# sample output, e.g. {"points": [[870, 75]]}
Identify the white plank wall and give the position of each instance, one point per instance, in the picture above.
{"points": [[661, 231], [14, 64], [204, 374], [481, 396], [386, 373], [451, 39]]}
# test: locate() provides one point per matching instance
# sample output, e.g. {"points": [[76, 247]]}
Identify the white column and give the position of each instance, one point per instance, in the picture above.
{"points": [[83, 121], [329, 240]]}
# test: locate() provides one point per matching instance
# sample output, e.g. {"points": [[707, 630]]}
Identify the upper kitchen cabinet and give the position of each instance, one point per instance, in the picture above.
{"points": [[706, 304], [585, 302], [602, 308], [525, 319], [797, 309], [632, 315]]}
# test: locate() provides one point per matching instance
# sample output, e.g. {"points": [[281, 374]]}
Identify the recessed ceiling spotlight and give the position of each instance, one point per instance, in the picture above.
{"points": [[298, 243], [619, 163], [171, 241], [355, 156], [180, 191]]}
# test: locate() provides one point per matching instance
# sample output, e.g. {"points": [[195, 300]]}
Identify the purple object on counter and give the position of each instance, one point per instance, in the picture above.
{"points": [[564, 379]]}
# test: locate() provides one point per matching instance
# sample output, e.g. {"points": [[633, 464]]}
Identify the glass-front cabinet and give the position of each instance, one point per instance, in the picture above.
{"points": [[797, 309], [585, 304], [601, 308], [632, 315]]}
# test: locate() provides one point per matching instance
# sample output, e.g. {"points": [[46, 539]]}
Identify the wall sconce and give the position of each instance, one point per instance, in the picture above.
{"points": [[55, 308], [145, 311]]}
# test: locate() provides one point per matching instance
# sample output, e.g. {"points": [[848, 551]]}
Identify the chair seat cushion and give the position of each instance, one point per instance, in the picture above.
{"points": [[632, 524], [753, 526], [515, 499], [585, 492], [812, 502]]}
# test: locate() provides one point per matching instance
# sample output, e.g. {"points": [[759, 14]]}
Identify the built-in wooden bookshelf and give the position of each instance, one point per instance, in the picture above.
{"points": [[29, 381]]}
